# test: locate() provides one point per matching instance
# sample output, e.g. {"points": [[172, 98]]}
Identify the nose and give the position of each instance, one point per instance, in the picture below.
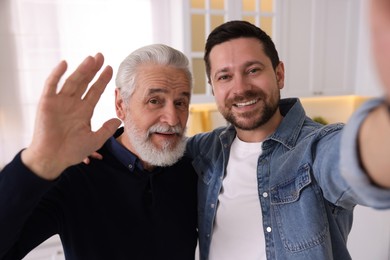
{"points": [[170, 115], [241, 84]]}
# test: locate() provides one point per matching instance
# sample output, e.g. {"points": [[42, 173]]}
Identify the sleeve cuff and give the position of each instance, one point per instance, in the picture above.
{"points": [[368, 194]]}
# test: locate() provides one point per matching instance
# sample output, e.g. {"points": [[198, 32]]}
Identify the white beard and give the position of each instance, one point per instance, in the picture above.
{"points": [[166, 155]]}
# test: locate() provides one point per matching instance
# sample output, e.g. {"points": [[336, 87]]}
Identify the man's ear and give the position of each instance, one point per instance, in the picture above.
{"points": [[119, 105], [279, 71]]}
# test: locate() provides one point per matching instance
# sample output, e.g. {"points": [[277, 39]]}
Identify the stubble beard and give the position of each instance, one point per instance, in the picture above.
{"points": [[254, 119]]}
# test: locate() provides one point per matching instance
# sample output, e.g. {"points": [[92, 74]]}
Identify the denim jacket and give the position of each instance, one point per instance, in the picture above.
{"points": [[307, 195]]}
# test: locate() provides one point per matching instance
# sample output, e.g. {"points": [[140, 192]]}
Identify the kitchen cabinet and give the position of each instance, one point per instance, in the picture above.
{"points": [[317, 40]]}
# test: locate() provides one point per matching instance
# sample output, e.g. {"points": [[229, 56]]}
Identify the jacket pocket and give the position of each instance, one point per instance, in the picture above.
{"points": [[299, 211]]}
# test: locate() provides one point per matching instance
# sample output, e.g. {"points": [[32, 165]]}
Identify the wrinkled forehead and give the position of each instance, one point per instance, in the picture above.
{"points": [[162, 77], [164, 83]]}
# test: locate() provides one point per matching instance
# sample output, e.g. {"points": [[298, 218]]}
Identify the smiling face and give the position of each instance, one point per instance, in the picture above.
{"points": [[156, 114], [245, 85]]}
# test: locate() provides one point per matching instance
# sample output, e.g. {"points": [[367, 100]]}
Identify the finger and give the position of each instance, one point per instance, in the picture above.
{"points": [[78, 81], [51, 83], [99, 58], [99, 61], [96, 90], [86, 160], [96, 155]]}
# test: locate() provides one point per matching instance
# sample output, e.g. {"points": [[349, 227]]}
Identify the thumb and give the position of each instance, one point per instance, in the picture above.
{"points": [[107, 130]]}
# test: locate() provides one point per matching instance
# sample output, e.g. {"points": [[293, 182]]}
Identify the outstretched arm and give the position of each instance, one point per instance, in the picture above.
{"points": [[62, 135], [374, 137]]}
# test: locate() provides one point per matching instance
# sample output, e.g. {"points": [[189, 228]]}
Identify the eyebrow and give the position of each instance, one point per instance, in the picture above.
{"points": [[250, 63], [157, 90], [246, 64], [165, 90], [224, 69]]}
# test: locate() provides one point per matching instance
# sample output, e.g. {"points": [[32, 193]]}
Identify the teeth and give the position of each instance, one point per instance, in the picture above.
{"points": [[246, 103]]}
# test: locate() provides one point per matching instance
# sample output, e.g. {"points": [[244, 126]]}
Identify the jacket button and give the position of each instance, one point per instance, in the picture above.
{"points": [[269, 229]]}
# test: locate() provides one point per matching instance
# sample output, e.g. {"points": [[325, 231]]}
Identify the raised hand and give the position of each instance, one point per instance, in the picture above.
{"points": [[374, 141], [62, 134]]}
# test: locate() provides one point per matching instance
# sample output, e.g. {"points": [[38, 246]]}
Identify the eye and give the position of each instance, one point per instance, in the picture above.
{"points": [[223, 77], [182, 104], [253, 70], [154, 101]]}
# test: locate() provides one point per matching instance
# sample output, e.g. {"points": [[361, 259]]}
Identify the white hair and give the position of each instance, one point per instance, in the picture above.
{"points": [[158, 54]]}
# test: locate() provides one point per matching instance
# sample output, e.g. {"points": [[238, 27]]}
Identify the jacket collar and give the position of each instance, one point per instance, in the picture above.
{"points": [[294, 115]]}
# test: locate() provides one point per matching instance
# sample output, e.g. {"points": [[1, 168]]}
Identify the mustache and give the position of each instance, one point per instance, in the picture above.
{"points": [[165, 129]]}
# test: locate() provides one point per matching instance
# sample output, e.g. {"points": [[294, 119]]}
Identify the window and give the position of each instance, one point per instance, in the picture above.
{"points": [[205, 15]]}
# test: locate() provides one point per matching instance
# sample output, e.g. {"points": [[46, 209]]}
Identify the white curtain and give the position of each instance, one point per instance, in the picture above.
{"points": [[36, 34]]}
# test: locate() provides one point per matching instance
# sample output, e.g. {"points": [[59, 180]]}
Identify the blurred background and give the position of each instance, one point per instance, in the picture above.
{"points": [[323, 43]]}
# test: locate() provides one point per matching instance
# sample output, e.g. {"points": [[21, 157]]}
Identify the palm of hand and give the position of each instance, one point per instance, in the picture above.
{"points": [[62, 134]]}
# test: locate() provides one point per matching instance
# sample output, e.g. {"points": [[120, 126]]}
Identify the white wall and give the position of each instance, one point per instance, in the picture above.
{"points": [[370, 234]]}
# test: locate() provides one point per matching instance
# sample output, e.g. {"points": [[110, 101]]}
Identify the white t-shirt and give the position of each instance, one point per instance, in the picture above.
{"points": [[238, 230]]}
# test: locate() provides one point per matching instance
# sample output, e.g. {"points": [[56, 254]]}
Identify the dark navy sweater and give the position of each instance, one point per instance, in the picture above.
{"points": [[109, 209]]}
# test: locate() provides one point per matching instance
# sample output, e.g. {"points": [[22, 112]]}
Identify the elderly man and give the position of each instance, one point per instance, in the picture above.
{"points": [[139, 201]]}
